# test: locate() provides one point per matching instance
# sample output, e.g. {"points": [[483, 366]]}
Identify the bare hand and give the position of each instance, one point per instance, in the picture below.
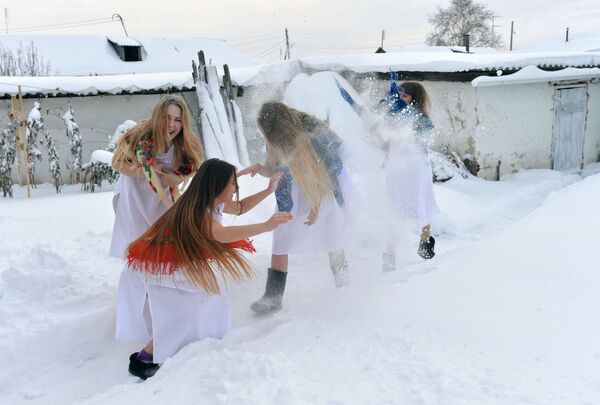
{"points": [[312, 217], [251, 170], [170, 179], [277, 219], [273, 182]]}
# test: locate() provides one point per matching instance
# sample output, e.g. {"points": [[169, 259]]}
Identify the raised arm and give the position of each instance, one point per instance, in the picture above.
{"points": [[225, 234], [268, 169], [246, 204]]}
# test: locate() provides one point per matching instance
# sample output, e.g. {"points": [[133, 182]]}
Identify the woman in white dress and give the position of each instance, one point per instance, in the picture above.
{"points": [[409, 178], [314, 188], [153, 157], [170, 292]]}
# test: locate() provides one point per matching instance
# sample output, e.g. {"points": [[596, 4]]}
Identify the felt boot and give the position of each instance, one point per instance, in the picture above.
{"points": [[426, 248], [273, 296], [389, 262], [341, 275]]}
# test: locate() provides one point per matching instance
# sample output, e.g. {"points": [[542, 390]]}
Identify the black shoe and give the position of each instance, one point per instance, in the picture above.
{"points": [[426, 248], [140, 369]]}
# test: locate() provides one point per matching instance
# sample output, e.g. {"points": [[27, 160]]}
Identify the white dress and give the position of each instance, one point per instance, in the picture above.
{"points": [[329, 232], [409, 183], [136, 207], [169, 310]]}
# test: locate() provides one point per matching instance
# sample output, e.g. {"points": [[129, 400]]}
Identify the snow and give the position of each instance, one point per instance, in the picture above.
{"points": [[505, 313], [415, 61], [124, 41], [95, 55], [532, 74], [91, 85], [102, 156], [247, 74]]}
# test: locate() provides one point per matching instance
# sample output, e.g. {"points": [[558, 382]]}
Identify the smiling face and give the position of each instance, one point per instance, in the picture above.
{"points": [[173, 121]]}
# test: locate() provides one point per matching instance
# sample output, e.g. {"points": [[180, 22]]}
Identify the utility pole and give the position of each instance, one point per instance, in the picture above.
{"points": [[6, 19], [287, 46], [567, 38], [512, 32], [118, 16]]}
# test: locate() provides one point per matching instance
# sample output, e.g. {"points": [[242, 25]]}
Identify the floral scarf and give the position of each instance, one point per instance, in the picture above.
{"points": [[145, 161]]}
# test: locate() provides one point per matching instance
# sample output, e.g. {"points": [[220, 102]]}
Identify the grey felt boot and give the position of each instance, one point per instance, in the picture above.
{"points": [[389, 262], [341, 275], [271, 300]]}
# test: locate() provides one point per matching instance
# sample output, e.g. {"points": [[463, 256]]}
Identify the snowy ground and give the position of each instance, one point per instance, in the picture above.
{"points": [[507, 312]]}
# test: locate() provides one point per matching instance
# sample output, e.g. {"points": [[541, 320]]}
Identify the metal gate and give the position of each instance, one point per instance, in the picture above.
{"points": [[570, 105]]}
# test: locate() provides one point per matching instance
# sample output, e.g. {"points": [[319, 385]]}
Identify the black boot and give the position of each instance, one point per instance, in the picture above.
{"points": [[271, 300], [426, 248], [141, 369]]}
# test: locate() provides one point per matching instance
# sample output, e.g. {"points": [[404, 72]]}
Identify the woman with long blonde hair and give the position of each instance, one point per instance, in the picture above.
{"points": [[154, 158], [169, 292], [309, 153]]}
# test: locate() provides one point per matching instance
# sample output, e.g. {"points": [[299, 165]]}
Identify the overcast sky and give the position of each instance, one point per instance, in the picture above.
{"points": [[316, 27]]}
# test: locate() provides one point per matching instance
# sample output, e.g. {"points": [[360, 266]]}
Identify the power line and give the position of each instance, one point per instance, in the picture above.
{"points": [[268, 51], [258, 37], [74, 24]]}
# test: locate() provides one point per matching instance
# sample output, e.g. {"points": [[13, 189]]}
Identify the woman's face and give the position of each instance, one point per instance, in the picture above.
{"points": [[173, 121], [229, 191], [407, 98]]}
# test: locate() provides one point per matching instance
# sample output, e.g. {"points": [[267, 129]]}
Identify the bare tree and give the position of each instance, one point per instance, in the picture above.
{"points": [[460, 18], [22, 61]]}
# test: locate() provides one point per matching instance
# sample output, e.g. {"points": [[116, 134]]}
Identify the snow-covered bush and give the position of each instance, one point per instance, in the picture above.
{"points": [[35, 126], [8, 151], [74, 164], [95, 171]]}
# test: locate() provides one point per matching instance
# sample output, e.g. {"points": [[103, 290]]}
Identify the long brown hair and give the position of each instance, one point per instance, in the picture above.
{"points": [[185, 231], [288, 133], [186, 143], [420, 99]]}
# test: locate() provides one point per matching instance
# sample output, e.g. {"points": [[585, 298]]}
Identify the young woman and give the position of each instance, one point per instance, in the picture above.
{"points": [[408, 171], [154, 157], [312, 188], [169, 293]]}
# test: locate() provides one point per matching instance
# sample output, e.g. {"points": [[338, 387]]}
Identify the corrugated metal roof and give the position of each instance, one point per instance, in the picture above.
{"points": [[124, 41]]}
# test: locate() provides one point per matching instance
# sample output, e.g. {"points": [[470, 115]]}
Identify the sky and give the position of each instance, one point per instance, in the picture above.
{"points": [[316, 27]]}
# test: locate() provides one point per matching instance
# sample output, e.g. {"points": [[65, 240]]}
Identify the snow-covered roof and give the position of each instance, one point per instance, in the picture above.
{"points": [[415, 62], [532, 74], [77, 55], [285, 71], [91, 85], [438, 49]]}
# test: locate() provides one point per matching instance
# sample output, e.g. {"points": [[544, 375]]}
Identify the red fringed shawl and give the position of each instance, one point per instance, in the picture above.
{"points": [[141, 256]]}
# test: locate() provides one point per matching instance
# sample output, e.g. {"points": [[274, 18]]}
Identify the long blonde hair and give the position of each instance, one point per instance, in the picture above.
{"points": [[182, 236], [288, 133], [186, 143]]}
